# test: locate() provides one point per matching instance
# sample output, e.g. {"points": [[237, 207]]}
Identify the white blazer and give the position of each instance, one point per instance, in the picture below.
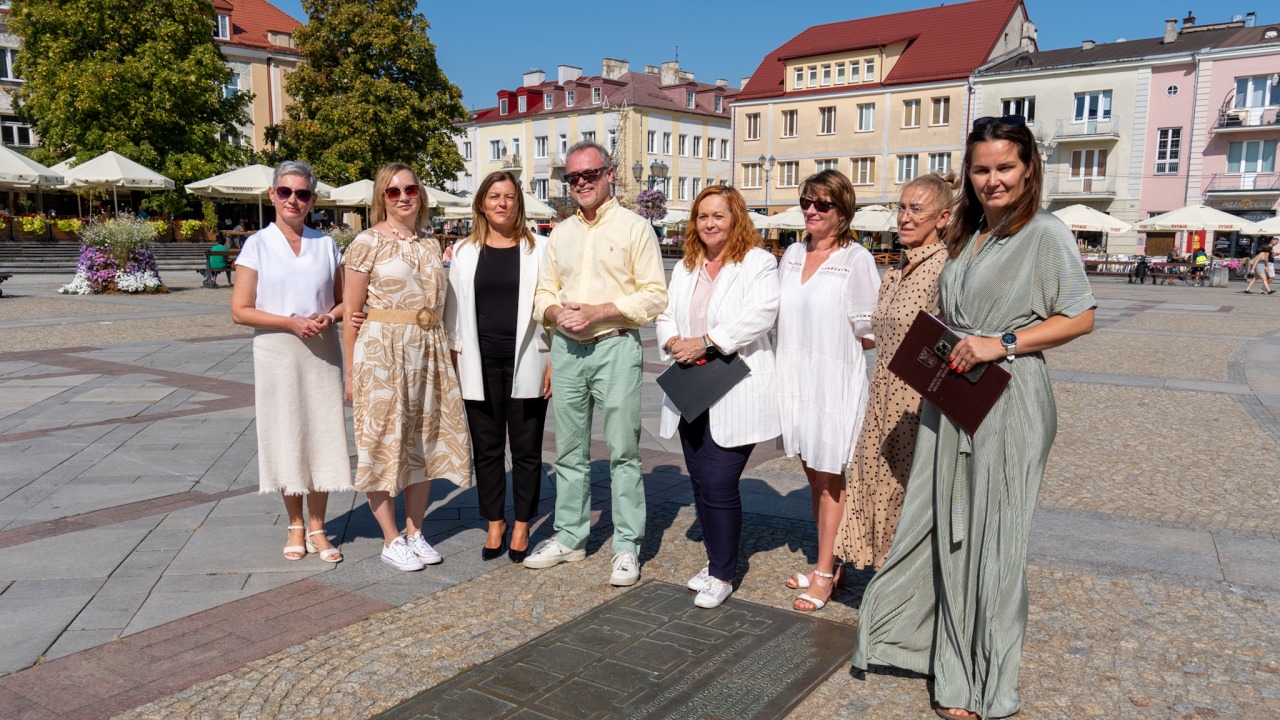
{"points": [[532, 344], [740, 314]]}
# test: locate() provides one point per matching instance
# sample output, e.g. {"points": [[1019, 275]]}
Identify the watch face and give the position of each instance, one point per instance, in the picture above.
{"points": [[1009, 339]]}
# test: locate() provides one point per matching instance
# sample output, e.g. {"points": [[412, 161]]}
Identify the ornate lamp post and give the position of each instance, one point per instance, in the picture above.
{"points": [[657, 173], [767, 163]]}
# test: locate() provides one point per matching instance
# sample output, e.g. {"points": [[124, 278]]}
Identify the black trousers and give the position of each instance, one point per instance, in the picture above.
{"points": [[495, 421], [714, 472]]}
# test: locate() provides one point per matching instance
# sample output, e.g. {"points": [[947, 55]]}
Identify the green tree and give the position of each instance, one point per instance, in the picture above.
{"points": [[369, 91], [144, 78]]}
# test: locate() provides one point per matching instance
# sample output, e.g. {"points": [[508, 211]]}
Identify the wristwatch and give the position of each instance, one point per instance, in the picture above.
{"points": [[1010, 342]]}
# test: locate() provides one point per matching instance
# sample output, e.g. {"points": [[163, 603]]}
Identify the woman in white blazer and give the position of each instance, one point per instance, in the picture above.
{"points": [[723, 299], [501, 357]]}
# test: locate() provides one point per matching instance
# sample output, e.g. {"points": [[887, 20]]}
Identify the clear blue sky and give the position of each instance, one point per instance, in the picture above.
{"points": [[486, 46]]}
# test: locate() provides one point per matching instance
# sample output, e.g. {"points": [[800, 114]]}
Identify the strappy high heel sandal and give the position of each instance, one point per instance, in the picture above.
{"points": [[299, 550], [329, 555], [816, 603], [800, 581]]}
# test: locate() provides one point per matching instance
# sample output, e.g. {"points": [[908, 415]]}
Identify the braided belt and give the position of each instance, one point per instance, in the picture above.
{"points": [[424, 318]]}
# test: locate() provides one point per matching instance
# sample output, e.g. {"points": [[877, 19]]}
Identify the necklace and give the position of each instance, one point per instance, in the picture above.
{"points": [[399, 235]]}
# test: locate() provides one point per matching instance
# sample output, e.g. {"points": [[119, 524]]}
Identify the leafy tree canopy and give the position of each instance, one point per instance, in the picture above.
{"points": [[368, 91], [144, 78]]}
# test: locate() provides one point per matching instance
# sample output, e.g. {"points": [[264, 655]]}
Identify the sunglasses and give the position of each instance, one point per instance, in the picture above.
{"points": [[588, 175], [1007, 120], [820, 205], [303, 195], [393, 193]]}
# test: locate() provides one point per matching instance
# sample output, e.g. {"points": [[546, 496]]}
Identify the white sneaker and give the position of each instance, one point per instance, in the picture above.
{"points": [[423, 549], [550, 553], [716, 592], [399, 556], [699, 581], [626, 569]]}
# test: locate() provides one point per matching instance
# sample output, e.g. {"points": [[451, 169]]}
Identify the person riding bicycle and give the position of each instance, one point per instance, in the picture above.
{"points": [[1200, 261]]}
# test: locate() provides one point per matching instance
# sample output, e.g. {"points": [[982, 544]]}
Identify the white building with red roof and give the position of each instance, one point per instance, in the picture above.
{"points": [[257, 39]]}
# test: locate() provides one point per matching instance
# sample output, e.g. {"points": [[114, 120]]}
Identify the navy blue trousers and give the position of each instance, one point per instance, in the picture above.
{"points": [[715, 472]]}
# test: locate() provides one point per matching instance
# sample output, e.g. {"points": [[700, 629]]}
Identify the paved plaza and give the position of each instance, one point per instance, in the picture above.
{"points": [[141, 574]]}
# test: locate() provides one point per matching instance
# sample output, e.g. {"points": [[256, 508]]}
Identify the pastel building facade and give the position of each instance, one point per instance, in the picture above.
{"points": [[256, 38]]}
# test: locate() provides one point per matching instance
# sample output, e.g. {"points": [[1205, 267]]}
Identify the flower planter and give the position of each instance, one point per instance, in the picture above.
{"points": [[65, 236]]}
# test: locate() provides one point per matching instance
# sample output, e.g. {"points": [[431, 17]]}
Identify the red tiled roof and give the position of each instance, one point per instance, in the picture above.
{"points": [[945, 43], [252, 19], [632, 88]]}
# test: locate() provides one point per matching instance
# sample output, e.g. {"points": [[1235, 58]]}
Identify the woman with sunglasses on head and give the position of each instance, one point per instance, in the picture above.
{"points": [[723, 299], [410, 426], [290, 292], [502, 357], [951, 599], [829, 287], [882, 460]]}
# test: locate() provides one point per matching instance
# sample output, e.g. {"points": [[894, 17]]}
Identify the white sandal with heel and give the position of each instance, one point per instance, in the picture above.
{"points": [[299, 550], [329, 555], [815, 602]]}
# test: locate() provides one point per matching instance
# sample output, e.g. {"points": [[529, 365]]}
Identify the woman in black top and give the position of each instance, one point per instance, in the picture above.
{"points": [[501, 356]]}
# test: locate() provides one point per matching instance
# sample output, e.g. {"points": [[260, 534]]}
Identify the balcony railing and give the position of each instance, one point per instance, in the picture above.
{"points": [[1243, 182], [1099, 188], [1246, 119], [1069, 130], [512, 162]]}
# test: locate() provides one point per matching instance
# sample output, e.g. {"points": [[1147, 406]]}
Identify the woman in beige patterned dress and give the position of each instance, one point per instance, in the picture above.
{"points": [[410, 425], [882, 460]]}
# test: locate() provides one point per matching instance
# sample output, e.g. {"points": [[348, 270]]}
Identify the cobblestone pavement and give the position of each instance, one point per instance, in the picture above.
{"points": [[140, 574]]}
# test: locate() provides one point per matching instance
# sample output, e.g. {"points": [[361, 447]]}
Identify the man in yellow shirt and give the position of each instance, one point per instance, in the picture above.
{"points": [[601, 279]]}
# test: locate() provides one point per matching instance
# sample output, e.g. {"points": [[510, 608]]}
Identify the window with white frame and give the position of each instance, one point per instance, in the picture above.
{"points": [[751, 175], [1253, 156], [613, 140], [788, 174], [719, 104], [589, 136], [1168, 150], [911, 113], [696, 187], [941, 113], [864, 171], [940, 162], [466, 150], [826, 74], [595, 95], [540, 146], [568, 97], [1093, 106], [724, 149], [1090, 163], [540, 189], [789, 123], [522, 103], [495, 149], [232, 88], [908, 167], [813, 76], [8, 56], [223, 31], [1257, 91], [799, 78], [826, 121], [829, 164], [515, 146], [502, 106], [839, 73], [869, 70], [682, 185], [563, 143], [690, 99], [696, 149], [1024, 106], [666, 143], [652, 145], [548, 100], [16, 134], [684, 145], [866, 117], [753, 126]]}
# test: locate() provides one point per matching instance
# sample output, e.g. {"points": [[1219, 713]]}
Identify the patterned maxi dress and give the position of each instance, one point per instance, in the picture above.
{"points": [[951, 599], [410, 425], [882, 460]]}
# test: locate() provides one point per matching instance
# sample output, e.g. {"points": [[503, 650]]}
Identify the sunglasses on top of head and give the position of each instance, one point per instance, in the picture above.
{"points": [[303, 195], [588, 175], [819, 205], [410, 192], [1006, 120]]}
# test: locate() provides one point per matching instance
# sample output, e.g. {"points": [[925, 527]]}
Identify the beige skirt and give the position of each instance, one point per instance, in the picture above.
{"points": [[302, 433]]}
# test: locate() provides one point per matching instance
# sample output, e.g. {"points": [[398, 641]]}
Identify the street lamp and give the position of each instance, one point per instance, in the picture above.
{"points": [[637, 170], [767, 164], [658, 174]]}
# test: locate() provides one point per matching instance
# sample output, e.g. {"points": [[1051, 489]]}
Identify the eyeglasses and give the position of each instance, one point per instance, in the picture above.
{"points": [[819, 205], [304, 196], [588, 175], [410, 192], [915, 212], [1007, 120]]}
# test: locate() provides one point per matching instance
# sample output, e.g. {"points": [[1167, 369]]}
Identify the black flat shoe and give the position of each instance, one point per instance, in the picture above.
{"points": [[518, 556]]}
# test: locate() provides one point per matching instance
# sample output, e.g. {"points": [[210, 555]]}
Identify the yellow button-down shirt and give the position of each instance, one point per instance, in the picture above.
{"points": [[612, 260]]}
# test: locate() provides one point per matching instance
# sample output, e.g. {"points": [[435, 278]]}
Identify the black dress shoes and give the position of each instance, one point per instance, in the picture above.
{"points": [[518, 556]]}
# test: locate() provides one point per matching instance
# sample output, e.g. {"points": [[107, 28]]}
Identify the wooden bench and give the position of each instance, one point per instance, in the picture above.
{"points": [[1169, 273], [2, 279], [208, 273], [1111, 268], [886, 258]]}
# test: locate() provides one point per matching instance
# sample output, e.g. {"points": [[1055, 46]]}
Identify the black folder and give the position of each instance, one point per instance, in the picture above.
{"points": [[693, 389]]}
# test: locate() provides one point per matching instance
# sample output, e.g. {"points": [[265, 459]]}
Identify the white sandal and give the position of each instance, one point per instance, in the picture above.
{"points": [[799, 581], [329, 555], [299, 550], [815, 602]]}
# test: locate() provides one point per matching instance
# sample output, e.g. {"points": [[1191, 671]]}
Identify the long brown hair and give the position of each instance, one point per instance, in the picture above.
{"points": [[742, 237], [968, 217], [840, 190], [378, 212], [480, 223]]}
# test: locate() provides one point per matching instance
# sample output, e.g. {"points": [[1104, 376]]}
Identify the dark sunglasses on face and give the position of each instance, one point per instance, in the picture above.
{"points": [[1009, 120], [410, 192], [303, 195], [819, 205], [588, 175]]}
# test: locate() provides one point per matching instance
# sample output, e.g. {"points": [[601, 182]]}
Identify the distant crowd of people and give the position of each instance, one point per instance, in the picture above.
{"points": [[452, 371]]}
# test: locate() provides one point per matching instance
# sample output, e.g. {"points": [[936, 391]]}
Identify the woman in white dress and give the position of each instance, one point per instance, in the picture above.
{"points": [[829, 289], [290, 292]]}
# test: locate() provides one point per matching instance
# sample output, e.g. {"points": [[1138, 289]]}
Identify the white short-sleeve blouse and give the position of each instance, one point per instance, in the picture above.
{"points": [[292, 285]]}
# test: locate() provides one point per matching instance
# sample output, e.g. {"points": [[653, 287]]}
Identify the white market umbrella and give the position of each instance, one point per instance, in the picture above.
{"points": [[19, 171], [1270, 226], [250, 182], [759, 220], [790, 219], [1087, 219], [1196, 217], [113, 170], [535, 208], [674, 216], [438, 198], [875, 219], [356, 194]]}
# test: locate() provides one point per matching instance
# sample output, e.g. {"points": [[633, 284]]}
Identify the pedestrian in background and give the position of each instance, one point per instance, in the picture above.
{"points": [[1263, 266]]}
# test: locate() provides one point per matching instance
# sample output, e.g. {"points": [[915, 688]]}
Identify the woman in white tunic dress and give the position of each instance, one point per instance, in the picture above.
{"points": [[829, 289]]}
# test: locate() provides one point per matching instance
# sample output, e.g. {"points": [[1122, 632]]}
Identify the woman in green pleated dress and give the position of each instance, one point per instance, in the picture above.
{"points": [[951, 599]]}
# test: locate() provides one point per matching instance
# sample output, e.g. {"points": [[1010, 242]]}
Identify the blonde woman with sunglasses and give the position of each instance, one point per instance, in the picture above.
{"points": [[410, 426]]}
